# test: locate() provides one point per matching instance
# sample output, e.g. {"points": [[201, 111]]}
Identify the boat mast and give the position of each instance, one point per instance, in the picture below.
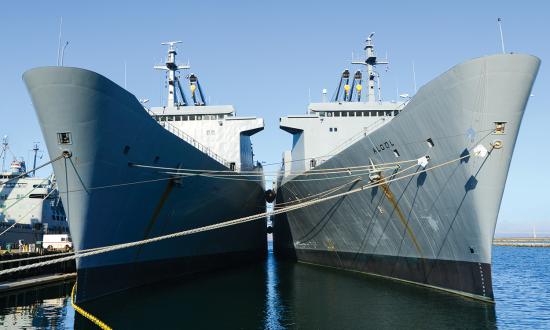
{"points": [[4, 151], [171, 67], [35, 149], [370, 62]]}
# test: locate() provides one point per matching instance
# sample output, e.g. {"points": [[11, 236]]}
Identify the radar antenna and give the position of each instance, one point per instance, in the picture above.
{"points": [[171, 67], [370, 62], [35, 150]]}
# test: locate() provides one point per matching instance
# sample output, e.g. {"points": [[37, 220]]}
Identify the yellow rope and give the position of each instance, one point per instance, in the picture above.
{"points": [[87, 315]]}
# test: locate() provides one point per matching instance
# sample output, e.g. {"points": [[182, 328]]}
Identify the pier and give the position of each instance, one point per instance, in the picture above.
{"points": [[522, 241], [34, 281], [37, 276]]}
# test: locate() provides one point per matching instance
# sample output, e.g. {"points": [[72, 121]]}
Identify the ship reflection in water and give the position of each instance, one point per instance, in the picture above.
{"points": [[289, 295], [40, 308], [271, 295]]}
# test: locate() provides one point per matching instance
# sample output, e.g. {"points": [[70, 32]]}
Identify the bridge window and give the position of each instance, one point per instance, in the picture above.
{"points": [[184, 118], [322, 114], [395, 112], [344, 113], [330, 129], [170, 118], [336, 113], [380, 113], [329, 114]]}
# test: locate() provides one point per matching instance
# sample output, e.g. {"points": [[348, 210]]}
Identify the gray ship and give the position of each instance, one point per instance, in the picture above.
{"points": [[29, 205], [451, 145], [116, 185]]}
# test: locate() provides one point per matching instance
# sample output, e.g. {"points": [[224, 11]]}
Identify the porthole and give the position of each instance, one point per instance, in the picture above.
{"points": [[430, 142]]}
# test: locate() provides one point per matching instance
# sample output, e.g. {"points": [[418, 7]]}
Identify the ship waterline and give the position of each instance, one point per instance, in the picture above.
{"points": [[434, 228]]}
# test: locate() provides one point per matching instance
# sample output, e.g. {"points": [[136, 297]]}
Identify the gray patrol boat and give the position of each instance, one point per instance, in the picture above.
{"points": [[133, 173], [433, 169]]}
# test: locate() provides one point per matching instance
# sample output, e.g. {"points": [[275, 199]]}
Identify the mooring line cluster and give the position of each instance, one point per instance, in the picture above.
{"points": [[281, 208], [115, 247], [311, 172]]}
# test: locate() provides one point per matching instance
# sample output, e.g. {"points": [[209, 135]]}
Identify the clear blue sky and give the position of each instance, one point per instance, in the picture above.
{"points": [[263, 57]]}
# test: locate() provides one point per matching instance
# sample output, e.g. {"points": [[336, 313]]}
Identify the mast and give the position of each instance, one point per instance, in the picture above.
{"points": [[35, 149], [4, 151], [171, 67], [370, 62]]}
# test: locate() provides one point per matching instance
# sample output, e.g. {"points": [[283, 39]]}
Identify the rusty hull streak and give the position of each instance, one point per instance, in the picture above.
{"points": [[391, 198], [160, 204], [158, 208]]}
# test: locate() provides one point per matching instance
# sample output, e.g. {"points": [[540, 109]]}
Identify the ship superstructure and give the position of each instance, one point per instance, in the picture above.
{"points": [[432, 172], [330, 127], [135, 173], [29, 206], [214, 129]]}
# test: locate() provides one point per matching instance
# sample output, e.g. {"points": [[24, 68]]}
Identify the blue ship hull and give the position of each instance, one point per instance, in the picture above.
{"points": [[109, 131]]}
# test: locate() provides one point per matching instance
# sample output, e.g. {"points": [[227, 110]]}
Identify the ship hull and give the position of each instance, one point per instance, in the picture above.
{"points": [[109, 201], [433, 228]]}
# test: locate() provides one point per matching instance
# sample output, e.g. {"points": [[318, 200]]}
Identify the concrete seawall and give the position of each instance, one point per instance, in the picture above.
{"points": [[522, 241]]}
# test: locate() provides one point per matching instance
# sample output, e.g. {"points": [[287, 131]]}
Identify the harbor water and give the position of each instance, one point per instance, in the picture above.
{"points": [[278, 294]]}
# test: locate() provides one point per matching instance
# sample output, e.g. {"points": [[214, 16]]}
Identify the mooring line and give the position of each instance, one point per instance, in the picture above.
{"points": [[86, 314], [228, 223]]}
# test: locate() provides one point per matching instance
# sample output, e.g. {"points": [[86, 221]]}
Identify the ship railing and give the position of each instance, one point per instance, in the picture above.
{"points": [[189, 139]]}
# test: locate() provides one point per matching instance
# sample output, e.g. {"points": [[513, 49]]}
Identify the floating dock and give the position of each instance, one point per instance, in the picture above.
{"points": [[34, 281]]}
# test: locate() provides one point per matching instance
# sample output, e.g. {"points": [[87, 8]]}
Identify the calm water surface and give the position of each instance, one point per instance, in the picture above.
{"points": [[284, 295]]}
